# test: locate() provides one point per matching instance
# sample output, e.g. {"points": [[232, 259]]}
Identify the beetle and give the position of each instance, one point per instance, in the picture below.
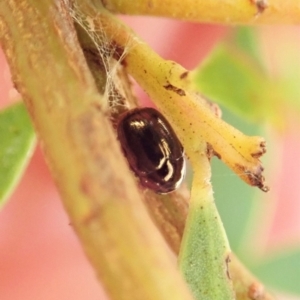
{"points": [[152, 149]]}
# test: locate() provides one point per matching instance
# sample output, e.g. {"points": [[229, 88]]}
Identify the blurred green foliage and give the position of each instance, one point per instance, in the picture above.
{"points": [[233, 75], [17, 141]]}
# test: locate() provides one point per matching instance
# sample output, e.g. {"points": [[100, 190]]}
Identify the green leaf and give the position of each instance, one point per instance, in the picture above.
{"points": [[17, 141], [245, 39], [204, 249], [230, 76], [282, 271], [238, 76]]}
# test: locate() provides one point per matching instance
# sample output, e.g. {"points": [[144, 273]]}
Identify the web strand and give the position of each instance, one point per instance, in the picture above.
{"points": [[110, 55]]}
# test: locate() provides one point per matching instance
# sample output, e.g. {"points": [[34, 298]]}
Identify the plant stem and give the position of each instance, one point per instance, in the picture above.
{"points": [[213, 11], [169, 213], [97, 189]]}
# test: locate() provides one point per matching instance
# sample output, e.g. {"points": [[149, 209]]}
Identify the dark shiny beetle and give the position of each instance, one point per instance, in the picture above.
{"points": [[152, 149]]}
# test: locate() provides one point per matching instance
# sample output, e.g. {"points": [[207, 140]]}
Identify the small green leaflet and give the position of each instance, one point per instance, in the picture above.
{"points": [[204, 252], [17, 142]]}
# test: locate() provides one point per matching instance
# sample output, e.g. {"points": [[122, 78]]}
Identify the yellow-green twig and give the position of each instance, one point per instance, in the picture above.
{"points": [[213, 11]]}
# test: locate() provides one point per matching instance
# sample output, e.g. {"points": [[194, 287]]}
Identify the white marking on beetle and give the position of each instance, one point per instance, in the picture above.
{"points": [[170, 171]]}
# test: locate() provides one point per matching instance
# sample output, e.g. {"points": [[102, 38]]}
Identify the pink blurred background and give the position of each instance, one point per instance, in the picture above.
{"points": [[40, 257]]}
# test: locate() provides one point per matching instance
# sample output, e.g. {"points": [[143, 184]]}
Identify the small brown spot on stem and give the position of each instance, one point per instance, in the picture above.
{"points": [[256, 291], [261, 151], [257, 154], [217, 155], [261, 5], [174, 89], [227, 261], [184, 75], [254, 177], [210, 152], [263, 146]]}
